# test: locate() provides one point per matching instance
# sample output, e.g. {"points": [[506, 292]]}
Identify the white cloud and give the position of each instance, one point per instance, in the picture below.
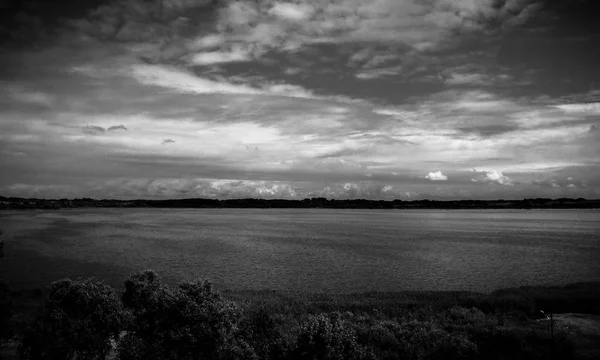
{"points": [[394, 112], [289, 90], [292, 71], [239, 13], [207, 41], [436, 176], [378, 73], [183, 81], [467, 79], [289, 11], [583, 108], [216, 57], [494, 176]]}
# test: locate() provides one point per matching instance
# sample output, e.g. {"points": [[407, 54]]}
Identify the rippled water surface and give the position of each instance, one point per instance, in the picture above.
{"points": [[307, 249]]}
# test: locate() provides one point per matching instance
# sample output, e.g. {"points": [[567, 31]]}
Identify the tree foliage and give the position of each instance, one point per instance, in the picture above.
{"points": [[79, 319], [327, 337], [190, 321]]}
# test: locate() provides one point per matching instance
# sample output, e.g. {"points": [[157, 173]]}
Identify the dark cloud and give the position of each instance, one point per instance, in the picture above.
{"points": [[27, 23], [167, 141], [565, 51], [117, 128], [93, 130], [488, 130]]}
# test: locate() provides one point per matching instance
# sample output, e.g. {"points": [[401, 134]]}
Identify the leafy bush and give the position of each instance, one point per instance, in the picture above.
{"points": [[419, 340], [327, 337], [262, 330], [79, 318], [189, 322]]}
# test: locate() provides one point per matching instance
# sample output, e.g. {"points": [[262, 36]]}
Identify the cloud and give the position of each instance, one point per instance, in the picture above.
{"points": [[54, 191], [186, 82], [293, 71], [117, 128], [23, 94], [378, 73], [93, 130], [329, 91], [288, 11], [583, 108], [183, 81], [206, 41], [236, 54], [167, 141], [436, 176], [467, 79], [493, 176], [544, 182], [392, 112], [359, 190], [420, 25], [338, 165]]}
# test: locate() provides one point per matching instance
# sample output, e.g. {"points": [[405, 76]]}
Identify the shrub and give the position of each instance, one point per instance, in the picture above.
{"points": [[79, 318], [327, 337], [189, 322], [418, 340], [261, 330]]}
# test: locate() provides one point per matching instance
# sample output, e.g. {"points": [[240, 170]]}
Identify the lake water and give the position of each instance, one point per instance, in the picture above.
{"points": [[306, 249]]}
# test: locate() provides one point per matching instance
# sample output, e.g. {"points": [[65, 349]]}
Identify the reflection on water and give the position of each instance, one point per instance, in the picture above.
{"points": [[307, 249]]}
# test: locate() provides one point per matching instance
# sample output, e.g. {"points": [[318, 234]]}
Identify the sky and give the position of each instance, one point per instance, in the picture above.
{"points": [[372, 99]]}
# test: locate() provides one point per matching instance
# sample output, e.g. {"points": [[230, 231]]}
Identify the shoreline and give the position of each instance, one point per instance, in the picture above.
{"points": [[14, 203]]}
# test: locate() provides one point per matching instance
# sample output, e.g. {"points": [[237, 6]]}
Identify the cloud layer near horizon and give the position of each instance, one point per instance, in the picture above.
{"points": [[343, 99]]}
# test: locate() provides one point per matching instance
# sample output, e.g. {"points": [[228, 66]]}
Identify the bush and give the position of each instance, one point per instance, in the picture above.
{"points": [[189, 322], [418, 340], [262, 331], [79, 318], [327, 337]]}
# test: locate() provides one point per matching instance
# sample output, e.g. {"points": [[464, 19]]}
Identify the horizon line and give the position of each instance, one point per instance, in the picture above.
{"points": [[284, 199]]}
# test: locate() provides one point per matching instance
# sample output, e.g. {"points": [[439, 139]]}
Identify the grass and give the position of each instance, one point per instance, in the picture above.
{"points": [[527, 301]]}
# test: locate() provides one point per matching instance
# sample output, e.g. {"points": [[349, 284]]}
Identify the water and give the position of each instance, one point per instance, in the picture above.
{"points": [[306, 249]]}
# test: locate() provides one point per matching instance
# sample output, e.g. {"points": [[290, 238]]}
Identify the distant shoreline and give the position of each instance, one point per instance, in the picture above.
{"points": [[14, 203]]}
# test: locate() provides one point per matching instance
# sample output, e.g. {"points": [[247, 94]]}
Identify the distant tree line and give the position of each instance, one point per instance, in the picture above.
{"points": [[537, 203]]}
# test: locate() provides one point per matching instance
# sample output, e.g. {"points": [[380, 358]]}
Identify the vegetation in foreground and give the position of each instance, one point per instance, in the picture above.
{"points": [[87, 319]]}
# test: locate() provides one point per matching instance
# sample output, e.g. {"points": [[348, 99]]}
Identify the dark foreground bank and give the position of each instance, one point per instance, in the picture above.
{"points": [[146, 319]]}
